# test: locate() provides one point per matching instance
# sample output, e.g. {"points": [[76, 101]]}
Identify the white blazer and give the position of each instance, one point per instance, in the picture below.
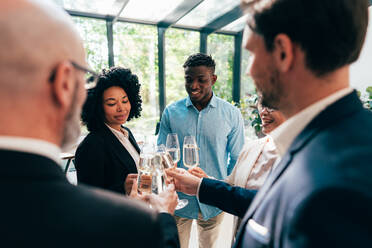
{"points": [[247, 159]]}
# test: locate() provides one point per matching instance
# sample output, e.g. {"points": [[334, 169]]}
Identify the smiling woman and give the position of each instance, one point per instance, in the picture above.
{"points": [[110, 153]]}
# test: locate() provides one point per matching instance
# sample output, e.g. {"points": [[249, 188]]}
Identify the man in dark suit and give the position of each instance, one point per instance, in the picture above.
{"points": [[319, 195], [42, 67]]}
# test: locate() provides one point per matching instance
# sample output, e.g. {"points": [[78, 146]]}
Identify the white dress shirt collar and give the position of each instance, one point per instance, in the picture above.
{"points": [[29, 145], [124, 140], [285, 134]]}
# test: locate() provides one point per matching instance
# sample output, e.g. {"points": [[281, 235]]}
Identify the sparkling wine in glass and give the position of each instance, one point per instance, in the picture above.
{"points": [[171, 158], [145, 170], [190, 152], [158, 176], [173, 147]]}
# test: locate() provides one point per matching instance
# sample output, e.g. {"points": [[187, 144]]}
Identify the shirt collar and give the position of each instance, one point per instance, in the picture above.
{"points": [[285, 134], [30, 145], [118, 133], [212, 102]]}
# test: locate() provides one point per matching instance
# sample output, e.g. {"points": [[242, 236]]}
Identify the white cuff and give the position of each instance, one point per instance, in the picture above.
{"points": [[197, 191]]}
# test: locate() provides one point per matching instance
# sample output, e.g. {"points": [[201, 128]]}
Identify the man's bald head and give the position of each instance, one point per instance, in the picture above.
{"points": [[39, 40], [35, 37]]}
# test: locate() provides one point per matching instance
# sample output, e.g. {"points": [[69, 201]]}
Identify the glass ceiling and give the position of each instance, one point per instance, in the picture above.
{"points": [[149, 10], [237, 25], [199, 14], [207, 11]]}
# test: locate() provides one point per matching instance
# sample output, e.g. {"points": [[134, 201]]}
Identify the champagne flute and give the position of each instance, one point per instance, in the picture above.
{"points": [[145, 170], [171, 158], [190, 152], [173, 147], [159, 176]]}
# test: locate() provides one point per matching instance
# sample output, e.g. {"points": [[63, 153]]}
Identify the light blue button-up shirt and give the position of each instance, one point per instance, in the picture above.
{"points": [[219, 133]]}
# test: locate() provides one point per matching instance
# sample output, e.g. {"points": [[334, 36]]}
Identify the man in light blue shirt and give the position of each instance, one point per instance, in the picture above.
{"points": [[219, 132]]}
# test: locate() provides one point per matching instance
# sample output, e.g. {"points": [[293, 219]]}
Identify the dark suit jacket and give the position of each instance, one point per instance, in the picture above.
{"points": [[102, 161], [320, 194], [39, 208]]}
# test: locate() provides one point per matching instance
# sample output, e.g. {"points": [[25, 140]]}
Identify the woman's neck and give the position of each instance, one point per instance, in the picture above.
{"points": [[116, 127]]}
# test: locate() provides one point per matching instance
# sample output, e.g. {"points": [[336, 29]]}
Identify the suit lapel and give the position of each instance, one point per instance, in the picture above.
{"points": [[119, 150], [132, 140], [253, 154], [348, 104]]}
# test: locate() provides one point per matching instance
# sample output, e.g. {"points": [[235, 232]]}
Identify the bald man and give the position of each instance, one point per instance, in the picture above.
{"points": [[42, 90]]}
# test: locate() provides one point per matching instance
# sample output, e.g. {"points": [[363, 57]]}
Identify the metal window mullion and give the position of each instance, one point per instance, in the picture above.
{"points": [[161, 65], [237, 67], [203, 42], [110, 43]]}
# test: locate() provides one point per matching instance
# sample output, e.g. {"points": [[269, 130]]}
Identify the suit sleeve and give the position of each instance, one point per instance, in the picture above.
{"points": [[169, 231], [234, 200], [89, 162], [337, 217]]}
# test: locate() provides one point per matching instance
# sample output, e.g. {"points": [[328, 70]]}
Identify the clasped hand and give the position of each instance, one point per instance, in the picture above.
{"points": [[165, 202]]}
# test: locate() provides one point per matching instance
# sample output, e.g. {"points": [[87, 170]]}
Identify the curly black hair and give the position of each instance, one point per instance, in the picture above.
{"points": [[92, 114], [199, 59]]}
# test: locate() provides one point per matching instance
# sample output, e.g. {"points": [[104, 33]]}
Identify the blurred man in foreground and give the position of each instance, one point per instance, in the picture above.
{"points": [[42, 67], [319, 195]]}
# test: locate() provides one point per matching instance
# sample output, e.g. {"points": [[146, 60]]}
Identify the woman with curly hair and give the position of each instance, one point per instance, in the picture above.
{"points": [[109, 153]]}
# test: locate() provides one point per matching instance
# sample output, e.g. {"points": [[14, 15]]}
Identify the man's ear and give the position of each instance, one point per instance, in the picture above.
{"points": [[214, 79], [283, 52], [63, 84]]}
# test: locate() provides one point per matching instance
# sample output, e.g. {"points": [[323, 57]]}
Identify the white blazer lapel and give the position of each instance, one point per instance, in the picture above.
{"points": [[246, 161]]}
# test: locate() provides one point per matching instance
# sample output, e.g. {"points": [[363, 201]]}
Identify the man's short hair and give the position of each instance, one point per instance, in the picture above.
{"points": [[330, 32], [200, 59]]}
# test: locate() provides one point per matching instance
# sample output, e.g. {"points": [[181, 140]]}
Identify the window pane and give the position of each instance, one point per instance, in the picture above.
{"points": [[221, 47], [180, 44], [94, 36], [92, 6], [237, 25], [247, 87], [147, 10], [360, 71], [135, 47], [207, 11]]}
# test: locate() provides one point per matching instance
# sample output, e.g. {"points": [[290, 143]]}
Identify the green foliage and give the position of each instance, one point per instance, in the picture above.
{"points": [[221, 47], [248, 108], [179, 45], [94, 36], [367, 98], [135, 47]]}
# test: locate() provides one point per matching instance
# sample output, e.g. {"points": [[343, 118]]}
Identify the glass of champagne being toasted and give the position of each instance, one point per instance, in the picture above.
{"points": [[145, 172], [171, 158], [190, 152]]}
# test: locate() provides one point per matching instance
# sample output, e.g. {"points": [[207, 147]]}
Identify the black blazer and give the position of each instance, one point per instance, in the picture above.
{"points": [[102, 161], [320, 194], [40, 208]]}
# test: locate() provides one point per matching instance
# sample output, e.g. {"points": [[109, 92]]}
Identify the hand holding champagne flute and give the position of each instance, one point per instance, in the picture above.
{"points": [[171, 158]]}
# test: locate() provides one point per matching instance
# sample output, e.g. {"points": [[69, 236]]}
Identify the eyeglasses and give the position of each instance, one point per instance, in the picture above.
{"points": [[91, 76], [262, 109]]}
